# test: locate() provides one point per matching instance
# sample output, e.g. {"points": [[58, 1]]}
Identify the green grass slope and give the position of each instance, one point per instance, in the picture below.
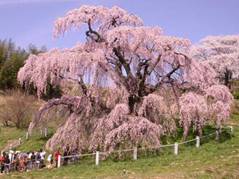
{"points": [[214, 159]]}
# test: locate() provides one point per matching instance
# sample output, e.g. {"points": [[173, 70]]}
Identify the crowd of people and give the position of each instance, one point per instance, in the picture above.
{"points": [[24, 161]]}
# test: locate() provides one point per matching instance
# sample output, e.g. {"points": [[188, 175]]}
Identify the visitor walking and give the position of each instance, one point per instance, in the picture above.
{"points": [[66, 154], [7, 163], [56, 155], [2, 163], [49, 161], [42, 154]]}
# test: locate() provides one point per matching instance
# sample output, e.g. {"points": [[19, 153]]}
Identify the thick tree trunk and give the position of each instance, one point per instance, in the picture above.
{"points": [[227, 78], [218, 133], [199, 132], [185, 133], [198, 128], [132, 101], [5, 123]]}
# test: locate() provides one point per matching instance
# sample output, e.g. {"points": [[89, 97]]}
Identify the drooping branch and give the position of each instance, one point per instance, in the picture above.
{"points": [[79, 81], [193, 111], [107, 123], [138, 131], [154, 108], [91, 31], [74, 104], [72, 133], [108, 18]]}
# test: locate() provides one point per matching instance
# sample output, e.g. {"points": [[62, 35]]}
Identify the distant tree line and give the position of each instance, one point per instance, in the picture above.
{"points": [[11, 60], [16, 108]]}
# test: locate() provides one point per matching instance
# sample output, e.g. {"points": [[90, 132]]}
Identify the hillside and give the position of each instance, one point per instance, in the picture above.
{"points": [[212, 160], [219, 160]]}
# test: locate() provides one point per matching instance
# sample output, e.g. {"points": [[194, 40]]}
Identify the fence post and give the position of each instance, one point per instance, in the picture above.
{"points": [[217, 134], [41, 132], [58, 161], [197, 141], [45, 132], [135, 153], [20, 140], [27, 135], [97, 158], [231, 127], [176, 148]]}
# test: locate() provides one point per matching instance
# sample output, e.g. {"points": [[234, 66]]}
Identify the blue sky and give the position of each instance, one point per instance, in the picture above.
{"points": [[31, 21]]}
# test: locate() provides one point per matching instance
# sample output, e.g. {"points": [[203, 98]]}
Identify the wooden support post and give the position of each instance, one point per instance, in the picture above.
{"points": [[97, 158], [27, 135], [20, 140], [231, 128], [59, 161], [197, 141], [45, 132], [176, 148], [217, 134], [135, 153]]}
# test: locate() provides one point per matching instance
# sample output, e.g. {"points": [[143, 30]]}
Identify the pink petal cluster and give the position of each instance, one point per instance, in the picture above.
{"points": [[55, 64], [201, 75], [219, 93], [221, 53], [102, 17], [214, 104], [193, 111], [220, 101], [155, 109], [108, 123], [137, 131]]}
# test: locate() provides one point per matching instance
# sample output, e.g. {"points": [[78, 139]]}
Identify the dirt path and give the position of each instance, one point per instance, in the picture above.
{"points": [[11, 144]]}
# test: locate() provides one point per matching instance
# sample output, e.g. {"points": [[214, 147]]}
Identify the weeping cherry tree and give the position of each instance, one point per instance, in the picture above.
{"points": [[135, 63]]}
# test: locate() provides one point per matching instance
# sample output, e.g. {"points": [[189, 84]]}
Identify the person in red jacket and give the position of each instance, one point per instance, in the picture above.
{"points": [[2, 161], [56, 155]]}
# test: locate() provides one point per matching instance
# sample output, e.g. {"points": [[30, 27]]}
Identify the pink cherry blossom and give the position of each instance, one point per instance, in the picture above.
{"points": [[222, 54], [120, 71]]}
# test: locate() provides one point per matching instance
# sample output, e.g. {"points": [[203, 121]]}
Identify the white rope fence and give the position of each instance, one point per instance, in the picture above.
{"points": [[135, 150]]}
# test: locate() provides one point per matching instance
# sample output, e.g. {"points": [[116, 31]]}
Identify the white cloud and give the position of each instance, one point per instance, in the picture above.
{"points": [[14, 2]]}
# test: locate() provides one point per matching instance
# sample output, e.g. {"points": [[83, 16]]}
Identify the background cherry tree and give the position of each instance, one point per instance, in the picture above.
{"points": [[133, 82], [222, 54], [212, 105]]}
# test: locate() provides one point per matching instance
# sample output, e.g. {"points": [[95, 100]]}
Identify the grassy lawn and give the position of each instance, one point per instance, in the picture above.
{"points": [[9, 133], [214, 159], [211, 160], [33, 144]]}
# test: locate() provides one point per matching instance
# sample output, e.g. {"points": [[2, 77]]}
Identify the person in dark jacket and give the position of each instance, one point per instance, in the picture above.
{"points": [[65, 154], [7, 163]]}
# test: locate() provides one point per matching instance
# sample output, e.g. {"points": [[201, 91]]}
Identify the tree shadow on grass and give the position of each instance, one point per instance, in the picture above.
{"points": [[209, 134]]}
